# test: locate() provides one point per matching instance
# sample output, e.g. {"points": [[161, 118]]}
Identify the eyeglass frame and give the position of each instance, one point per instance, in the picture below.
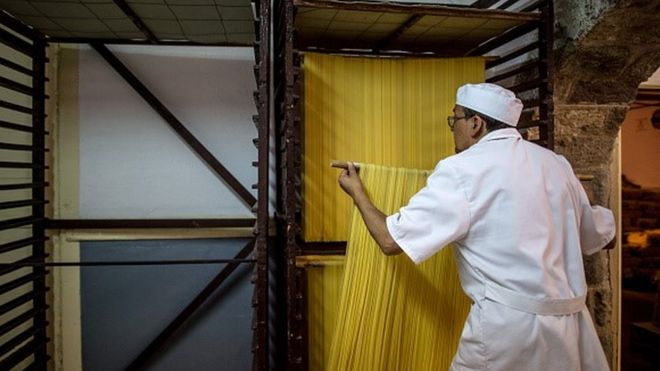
{"points": [[451, 120]]}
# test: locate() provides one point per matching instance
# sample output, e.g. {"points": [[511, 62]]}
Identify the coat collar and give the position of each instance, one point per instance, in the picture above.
{"points": [[501, 134]]}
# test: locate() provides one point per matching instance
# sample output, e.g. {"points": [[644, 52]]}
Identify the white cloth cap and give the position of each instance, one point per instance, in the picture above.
{"points": [[491, 100]]}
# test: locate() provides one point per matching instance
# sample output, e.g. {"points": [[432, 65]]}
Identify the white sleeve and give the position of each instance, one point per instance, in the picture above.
{"points": [[597, 225], [434, 217]]}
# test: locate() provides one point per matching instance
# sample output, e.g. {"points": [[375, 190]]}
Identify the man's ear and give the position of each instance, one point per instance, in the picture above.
{"points": [[477, 124]]}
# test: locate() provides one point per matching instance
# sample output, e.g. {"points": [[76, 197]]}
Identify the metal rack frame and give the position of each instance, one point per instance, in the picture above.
{"points": [[523, 77], [258, 246]]}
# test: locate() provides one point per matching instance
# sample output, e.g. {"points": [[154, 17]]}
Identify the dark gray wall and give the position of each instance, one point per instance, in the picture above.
{"points": [[124, 308]]}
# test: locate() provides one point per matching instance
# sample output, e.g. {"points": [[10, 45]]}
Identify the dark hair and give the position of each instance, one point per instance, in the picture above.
{"points": [[491, 123]]}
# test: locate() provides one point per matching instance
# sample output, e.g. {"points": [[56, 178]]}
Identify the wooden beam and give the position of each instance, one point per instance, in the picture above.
{"points": [[245, 195], [398, 32], [424, 9], [136, 20]]}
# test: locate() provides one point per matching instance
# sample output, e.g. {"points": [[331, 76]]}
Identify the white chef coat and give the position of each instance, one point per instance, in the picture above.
{"points": [[519, 221]]}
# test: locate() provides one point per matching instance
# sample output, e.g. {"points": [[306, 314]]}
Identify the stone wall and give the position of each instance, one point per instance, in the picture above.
{"points": [[603, 51]]}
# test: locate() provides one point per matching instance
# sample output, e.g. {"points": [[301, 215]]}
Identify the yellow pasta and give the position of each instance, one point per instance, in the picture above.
{"points": [[387, 313], [392, 314], [323, 289], [390, 112]]}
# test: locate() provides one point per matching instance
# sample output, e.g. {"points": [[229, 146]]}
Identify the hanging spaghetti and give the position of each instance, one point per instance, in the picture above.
{"points": [[394, 315], [390, 112]]}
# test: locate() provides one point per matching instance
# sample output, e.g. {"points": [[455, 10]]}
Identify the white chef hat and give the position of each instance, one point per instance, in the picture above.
{"points": [[491, 100]]}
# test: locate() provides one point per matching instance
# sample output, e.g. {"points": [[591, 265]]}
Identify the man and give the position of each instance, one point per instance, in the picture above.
{"points": [[519, 221]]}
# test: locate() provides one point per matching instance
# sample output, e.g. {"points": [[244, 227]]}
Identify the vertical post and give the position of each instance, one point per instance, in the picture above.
{"points": [[546, 105], [292, 199], [260, 301], [38, 194]]}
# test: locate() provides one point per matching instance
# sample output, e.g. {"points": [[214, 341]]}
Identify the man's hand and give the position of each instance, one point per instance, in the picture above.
{"points": [[350, 181]]}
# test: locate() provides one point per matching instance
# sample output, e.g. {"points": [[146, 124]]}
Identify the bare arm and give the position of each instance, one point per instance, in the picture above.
{"points": [[373, 218]]}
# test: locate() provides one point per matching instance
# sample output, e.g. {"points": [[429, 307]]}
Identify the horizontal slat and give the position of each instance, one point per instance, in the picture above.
{"points": [[6, 268], [15, 66], [531, 103], [523, 67], [21, 203], [18, 339], [13, 126], [16, 86], [19, 165], [15, 42], [504, 38], [22, 353], [23, 280], [20, 243], [533, 6], [18, 320], [17, 302], [18, 26], [15, 107], [528, 85], [20, 147], [19, 222], [8, 187], [514, 54]]}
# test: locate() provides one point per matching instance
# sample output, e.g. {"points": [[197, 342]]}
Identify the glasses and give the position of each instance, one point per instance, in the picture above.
{"points": [[451, 121]]}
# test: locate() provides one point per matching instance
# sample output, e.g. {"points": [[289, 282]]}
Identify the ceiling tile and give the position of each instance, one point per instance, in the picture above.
{"points": [[190, 2], [430, 21], [232, 2], [201, 27], [241, 38], [355, 16], [467, 23], [65, 10], [165, 26], [235, 13], [21, 7], [162, 2], [106, 11], [121, 25], [41, 23], [150, 11], [195, 12], [316, 23], [321, 14], [59, 33], [96, 35], [130, 35], [238, 26], [209, 39], [383, 27], [354, 26], [393, 18], [170, 36], [82, 25]]}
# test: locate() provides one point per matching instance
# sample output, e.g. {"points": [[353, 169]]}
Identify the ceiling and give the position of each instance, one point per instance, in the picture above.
{"points": [[364, 25], [222, 22]]}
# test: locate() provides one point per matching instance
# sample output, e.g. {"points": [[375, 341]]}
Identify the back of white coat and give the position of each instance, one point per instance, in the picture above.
{"points": [[520, 222]]}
